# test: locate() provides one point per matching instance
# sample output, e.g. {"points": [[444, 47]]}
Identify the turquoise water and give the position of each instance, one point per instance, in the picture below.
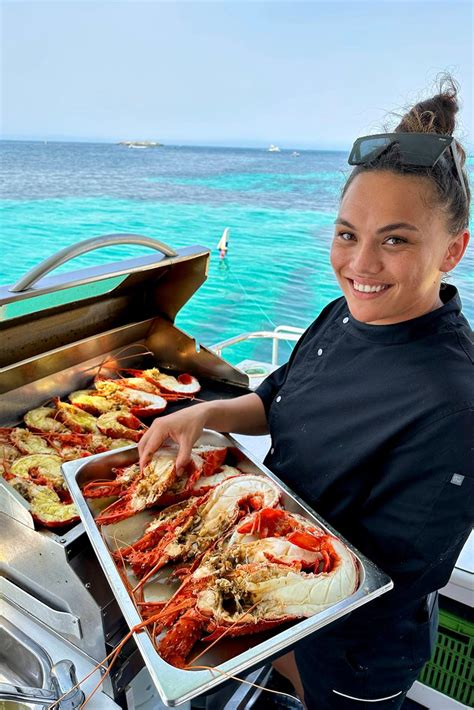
{"points": [[280, 210]]}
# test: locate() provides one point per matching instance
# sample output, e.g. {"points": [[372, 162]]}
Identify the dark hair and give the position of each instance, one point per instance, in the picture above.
{"points": [[435, 115]]}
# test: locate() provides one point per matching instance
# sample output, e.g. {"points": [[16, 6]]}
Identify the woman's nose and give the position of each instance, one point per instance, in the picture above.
{"points": [[366, 260]]}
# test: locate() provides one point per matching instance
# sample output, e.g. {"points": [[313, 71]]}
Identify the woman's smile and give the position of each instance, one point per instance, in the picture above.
{"points": [[366, 290]]}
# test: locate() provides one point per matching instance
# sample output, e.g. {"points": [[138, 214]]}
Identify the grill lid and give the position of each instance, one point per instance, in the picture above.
{"points": [[40, 313]]}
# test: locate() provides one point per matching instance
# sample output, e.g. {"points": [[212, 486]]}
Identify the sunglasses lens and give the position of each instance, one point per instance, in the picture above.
{"points": [[422, 150], [367, 149]]}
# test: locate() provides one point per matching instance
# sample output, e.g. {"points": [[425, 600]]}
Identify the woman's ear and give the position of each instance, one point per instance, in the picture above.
{"points": [[455, 251]]}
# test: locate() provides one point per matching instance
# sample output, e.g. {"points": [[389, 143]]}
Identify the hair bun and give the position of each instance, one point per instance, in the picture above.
{"points": [[434, 115]]}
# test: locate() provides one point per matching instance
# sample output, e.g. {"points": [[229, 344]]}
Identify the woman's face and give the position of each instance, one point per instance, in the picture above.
{"points": [[391, 247]]}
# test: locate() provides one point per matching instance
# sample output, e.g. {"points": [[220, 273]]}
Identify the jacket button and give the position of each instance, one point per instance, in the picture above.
{"points": [[320, 351], [272, 450], [345, 320], [278, 399]]}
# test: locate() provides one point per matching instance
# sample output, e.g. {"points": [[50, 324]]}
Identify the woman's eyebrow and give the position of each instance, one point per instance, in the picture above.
{"points": [[397, 225], [339, 220], [382, 230]]}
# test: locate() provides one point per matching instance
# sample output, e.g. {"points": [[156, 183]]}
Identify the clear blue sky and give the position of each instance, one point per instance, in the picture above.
{"points": [[299, 74]]}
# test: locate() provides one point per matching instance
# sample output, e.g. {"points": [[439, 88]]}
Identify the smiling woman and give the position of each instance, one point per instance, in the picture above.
{"points": [[371, 420], [389, 260]]}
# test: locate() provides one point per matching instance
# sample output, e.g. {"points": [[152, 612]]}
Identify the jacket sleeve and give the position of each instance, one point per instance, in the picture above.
{"points": [[421, 506], [270, 386]]}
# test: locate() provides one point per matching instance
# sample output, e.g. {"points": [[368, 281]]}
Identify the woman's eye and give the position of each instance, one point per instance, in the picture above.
{"points": [[395, 240], [346, 236]]}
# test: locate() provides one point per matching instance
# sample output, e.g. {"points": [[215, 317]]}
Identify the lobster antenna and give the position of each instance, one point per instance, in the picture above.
{"points": [[114, 654], [247, 682]]}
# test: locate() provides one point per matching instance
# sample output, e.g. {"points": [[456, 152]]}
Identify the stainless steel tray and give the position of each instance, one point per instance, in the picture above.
{"points": [[230, 656]]}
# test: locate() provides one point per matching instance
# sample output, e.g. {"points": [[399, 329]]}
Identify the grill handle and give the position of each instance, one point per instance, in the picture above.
{"points": [[70, 252]]}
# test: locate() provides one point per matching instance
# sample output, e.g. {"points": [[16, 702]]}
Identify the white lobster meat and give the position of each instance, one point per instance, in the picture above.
{"points": [[146, 487], [91, 401], [139, 401], [44, 419], [208, 482], [76, 419], [46, 507], [225, 502], [44, 469], [183, 384], [120, 424], [282, 593], [265, 536], [29, 443], [8, 454]]}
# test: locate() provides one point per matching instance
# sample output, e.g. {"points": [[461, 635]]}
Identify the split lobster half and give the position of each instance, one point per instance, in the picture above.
{"points": [[275, 568], [157, 484], [185, 385], [144, 393], [46, 507], [205, 461]]}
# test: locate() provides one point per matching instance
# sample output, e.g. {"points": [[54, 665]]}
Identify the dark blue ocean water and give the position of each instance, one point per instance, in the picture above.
{"points": [[280, 209]]}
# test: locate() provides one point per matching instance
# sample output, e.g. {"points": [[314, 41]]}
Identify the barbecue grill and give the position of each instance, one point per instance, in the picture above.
{"points": [[56, 332]]}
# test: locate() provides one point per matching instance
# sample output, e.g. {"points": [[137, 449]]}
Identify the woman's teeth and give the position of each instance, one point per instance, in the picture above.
{"points": [[369, 289]]}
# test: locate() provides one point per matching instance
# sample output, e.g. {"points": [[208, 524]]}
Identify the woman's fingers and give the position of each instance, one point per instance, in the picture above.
{"points": [[151, 441], [184, 427], [184, 453]]}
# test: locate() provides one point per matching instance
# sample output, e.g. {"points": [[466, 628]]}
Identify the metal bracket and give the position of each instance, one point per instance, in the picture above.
{"points": [[60, 621]]}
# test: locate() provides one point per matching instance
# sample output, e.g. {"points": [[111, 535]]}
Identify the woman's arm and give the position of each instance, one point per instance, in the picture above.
{"points": [[242, 415]]}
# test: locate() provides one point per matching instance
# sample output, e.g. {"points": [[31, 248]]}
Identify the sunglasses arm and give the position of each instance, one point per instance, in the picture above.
{"points": [[457, 164]]}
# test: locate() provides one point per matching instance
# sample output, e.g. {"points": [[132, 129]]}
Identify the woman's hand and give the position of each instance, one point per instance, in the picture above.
{"points": [[184, 427], [242, 415]]}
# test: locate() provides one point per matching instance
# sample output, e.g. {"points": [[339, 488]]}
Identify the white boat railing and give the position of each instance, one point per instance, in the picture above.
{"points": [[281, 332]]}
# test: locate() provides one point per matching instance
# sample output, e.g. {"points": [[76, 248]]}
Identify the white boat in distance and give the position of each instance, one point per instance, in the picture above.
{"points": [[141, 144], [273, 149]]}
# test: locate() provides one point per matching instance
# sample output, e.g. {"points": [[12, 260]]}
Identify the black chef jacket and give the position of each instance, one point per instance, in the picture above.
{"points": [[373, 427]]}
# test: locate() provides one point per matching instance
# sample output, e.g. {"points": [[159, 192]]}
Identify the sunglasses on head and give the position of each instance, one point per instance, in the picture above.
{"points": [[422, 149]]}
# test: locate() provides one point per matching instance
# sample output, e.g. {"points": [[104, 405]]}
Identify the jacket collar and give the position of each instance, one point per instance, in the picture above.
{"points": [[412, 329]]}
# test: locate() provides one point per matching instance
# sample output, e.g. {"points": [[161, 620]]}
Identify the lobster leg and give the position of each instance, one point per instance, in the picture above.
{"points": [[119, 510], [145, 564], [176, 645], [101, 489], [146, 542], [243, 629]]}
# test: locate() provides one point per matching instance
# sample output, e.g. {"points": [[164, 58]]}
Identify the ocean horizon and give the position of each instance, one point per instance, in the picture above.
{"points": [[284, 145], [279, 207]]}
